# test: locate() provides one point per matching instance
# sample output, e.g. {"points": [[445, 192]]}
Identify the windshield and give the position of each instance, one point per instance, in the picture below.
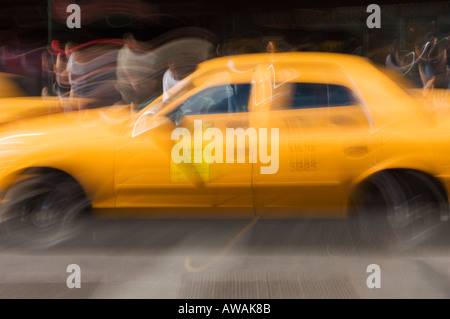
{"points": [[157, 104], [154, 106]]}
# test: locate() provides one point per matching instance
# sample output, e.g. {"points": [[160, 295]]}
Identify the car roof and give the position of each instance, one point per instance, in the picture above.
{"points": [[286, 57]]}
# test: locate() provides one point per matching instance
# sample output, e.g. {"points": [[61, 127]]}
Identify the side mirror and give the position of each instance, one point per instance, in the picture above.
{"points": [[176, 116]]}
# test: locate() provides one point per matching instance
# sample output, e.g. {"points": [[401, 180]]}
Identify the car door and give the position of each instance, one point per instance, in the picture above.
{"points": [[326, 139], [165, 169]]}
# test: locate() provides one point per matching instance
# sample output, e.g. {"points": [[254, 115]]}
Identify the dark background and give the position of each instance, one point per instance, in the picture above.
{"points": [[234, 26]]}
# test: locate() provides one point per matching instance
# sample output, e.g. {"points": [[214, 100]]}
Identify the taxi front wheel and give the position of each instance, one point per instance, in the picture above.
{"points": [[43, 210], [405, 205]]}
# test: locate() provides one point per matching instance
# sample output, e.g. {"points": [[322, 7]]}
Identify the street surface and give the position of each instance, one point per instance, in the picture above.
{"points": [[225, 259]]}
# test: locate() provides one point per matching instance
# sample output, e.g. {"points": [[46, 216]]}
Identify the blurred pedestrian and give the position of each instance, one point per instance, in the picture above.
{"points": [[271, 47], [47, 75], [135, 72], [62, 83], [170, 79]]}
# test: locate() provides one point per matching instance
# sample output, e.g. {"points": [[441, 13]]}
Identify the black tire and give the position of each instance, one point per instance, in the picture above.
{"points": [[43, 210], [404, 205]]}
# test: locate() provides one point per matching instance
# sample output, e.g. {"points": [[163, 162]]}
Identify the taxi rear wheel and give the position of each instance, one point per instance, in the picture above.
{"points": [[43, 210], [405, 205]]}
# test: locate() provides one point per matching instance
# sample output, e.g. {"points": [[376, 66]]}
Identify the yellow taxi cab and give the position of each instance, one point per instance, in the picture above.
{"points": [[276, 135]]}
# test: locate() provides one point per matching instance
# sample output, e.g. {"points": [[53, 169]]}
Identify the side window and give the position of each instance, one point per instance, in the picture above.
{"points": [[230, 98], [341, 96], [309, 95], [313, 95]]}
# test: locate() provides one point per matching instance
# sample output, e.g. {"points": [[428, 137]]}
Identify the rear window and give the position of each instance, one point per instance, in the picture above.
{"points": [[312, 95]]}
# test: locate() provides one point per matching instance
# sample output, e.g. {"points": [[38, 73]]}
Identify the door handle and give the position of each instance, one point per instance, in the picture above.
{"points": [[356, 151], [238, 124], [343, 120]]}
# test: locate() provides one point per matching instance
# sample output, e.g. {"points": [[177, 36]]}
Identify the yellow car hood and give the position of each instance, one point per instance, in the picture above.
{"points": [[16, 108], [66, 123]]}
